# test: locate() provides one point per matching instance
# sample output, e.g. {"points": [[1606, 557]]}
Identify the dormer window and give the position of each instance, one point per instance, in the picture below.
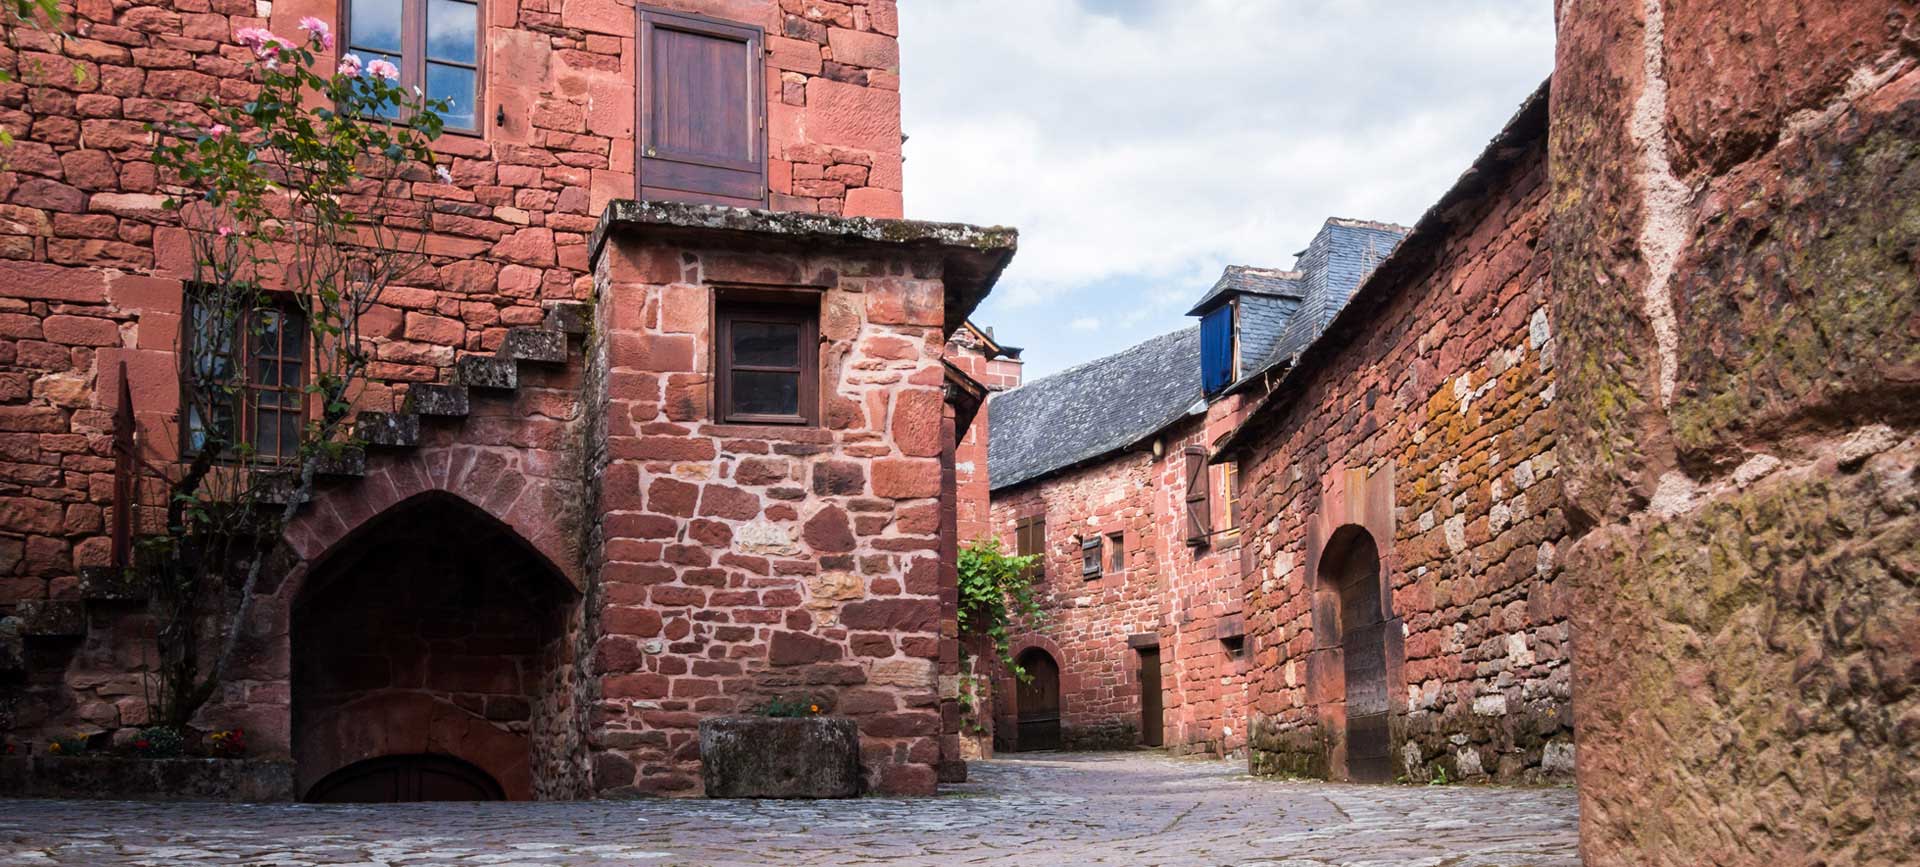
{"points": [[702, 108]]}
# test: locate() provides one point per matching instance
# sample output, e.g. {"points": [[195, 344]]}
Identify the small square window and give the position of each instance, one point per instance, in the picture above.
{"points": [[244, 378], [768, 369], [1030, 540]]}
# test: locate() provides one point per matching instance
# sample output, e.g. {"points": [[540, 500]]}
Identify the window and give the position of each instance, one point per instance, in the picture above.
{"points": [[1030, 538], [435, 43], [1199, 502], [769, 371], [1090, 557], [1116, 552], [1230, 485], [702, 110], [1216, 349], [262, 400]]}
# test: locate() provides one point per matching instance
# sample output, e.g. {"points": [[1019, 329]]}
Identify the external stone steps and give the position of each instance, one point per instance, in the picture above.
{"points": [[387, 429], [487, 371], [440, 401], [526, 343], [46, 618]]}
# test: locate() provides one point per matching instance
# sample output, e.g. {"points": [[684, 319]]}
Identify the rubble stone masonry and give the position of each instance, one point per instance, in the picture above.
{"points": [[1421, 425], [1735, 220]]}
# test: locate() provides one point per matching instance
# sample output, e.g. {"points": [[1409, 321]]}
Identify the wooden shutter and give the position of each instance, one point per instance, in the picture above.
{"points": [[1090, 557], [702, 109], [1199, 504]]}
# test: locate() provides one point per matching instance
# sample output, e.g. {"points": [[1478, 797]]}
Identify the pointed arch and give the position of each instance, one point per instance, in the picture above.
{"points": [[543, 511]]}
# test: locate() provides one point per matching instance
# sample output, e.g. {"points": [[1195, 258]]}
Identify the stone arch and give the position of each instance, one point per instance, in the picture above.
{"points": [[1039, 701], [432, 628], [499, 481]]}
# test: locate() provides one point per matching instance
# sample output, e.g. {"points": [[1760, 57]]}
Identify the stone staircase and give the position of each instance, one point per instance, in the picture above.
{"points": [[474, 377]]}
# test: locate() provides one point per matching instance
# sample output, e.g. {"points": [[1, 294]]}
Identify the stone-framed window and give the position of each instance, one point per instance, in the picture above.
{"points": [[767, 368], [435, 44], [702, 110], [1230, 489], [1117, 552], [254, 377]]}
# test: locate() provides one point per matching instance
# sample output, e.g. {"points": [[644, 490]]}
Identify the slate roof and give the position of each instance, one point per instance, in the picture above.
{"points": [[1253, 281], [1084, 412]]}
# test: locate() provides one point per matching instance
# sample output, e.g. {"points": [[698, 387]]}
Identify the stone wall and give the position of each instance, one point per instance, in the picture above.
{"points": [[1423, 421], [1177, 597], [1087, 622], [94, 271], [1734, 231], [739, 564]]}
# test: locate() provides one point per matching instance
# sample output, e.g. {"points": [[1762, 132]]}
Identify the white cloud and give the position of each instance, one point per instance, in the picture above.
{"points": [[1085, 323], [1139, 145]]}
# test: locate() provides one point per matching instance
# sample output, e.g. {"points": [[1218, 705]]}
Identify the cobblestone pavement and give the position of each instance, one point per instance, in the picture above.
{"points": [[1055, 810]]}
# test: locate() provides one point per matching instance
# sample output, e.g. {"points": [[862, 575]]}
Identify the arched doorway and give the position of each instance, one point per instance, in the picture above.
{"points": [[1037, 701], [428, 651], [1352, 565], [406, 778]]}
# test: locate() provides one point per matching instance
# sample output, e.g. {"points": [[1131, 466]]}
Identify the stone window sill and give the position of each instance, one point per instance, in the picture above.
{"points": [[769, 432]]}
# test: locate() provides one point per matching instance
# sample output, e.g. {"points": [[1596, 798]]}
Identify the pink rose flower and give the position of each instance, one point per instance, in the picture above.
{"points": [[319, 30], [261, 41], [384, 69], [350, 65], [218, 129]]}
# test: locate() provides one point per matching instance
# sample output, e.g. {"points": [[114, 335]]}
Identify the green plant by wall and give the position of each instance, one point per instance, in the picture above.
{"points": [[791, 706], [995, 588]]}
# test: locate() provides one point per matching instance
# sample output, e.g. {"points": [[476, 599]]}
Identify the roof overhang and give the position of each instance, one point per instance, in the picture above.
{"points": [[1524, 132], [972, 257]]}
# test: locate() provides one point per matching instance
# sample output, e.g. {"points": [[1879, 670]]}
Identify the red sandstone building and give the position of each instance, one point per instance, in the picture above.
{"points": [[583, 522], [1319, 528]]}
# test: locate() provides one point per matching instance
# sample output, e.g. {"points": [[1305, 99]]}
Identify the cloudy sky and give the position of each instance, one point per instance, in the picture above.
{"points": [[1142, 145]]}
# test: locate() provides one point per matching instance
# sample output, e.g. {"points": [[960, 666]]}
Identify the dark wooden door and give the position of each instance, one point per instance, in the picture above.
{"points": [[1363, 642], [1037, 702], [1152, 722], [394, 779]]}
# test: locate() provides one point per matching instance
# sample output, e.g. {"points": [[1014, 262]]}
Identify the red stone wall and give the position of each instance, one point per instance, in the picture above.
{"points": [[1171, 595], [92, 267], [1431, 427], [1734, 233], [977, 358], [738, 564]]}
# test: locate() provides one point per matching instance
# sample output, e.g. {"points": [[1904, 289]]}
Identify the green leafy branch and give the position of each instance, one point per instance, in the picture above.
{"points": [[996, 589]]}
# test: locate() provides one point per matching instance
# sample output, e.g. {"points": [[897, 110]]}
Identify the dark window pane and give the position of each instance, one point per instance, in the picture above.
{"points": [[761, 393], [376, 26], [289, 434], [455, 83], [266, 431], [766, 344], [450, 26]]}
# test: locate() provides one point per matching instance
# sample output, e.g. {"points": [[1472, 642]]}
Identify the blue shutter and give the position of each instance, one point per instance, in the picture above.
{"points": [[1216, 349]]}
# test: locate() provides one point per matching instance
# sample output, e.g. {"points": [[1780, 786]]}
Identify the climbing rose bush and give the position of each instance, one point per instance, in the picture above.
{"points": [[295, 198]]}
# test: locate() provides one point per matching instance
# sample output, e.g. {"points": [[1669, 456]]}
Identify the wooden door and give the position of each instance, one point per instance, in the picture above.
{"points": [[1152, 714], [1037, 702], [396, 779], [1363, 642]]}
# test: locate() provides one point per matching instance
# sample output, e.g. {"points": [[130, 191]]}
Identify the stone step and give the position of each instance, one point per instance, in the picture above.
{"points": [[441, 401], [569, 317], [44, 618], [13, 647], [107, 584], [348, 462], [527, 343], [388, 429], [487, 371], [276, 488]]}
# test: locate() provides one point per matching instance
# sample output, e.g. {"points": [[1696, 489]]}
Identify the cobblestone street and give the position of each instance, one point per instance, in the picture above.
{"points": [[1131, 809]]}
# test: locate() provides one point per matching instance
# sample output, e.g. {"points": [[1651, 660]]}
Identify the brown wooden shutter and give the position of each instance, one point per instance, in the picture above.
{"points": [[1199, 504], [1090, 557], [702, 104]]}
